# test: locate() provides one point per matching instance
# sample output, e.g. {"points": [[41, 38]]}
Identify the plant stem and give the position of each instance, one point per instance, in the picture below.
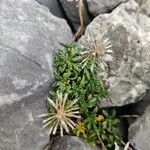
{"points": [[122, 142], [101, 141], [80, 30], [128, 116]]}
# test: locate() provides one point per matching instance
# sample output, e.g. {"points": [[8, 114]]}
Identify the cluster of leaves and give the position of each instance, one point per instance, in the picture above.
{"points": [[99, 129], [76, 75]]}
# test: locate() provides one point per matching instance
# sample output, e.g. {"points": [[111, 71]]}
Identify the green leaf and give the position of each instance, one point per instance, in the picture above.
{"points": [[56, 75], [66, 75]]}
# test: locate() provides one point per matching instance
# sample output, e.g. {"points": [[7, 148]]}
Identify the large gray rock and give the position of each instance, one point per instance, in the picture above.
{"points": [[53, 6], [29, 39], [71, 10], [97, 7], [127, 76], [71, 143], [139, 131]]}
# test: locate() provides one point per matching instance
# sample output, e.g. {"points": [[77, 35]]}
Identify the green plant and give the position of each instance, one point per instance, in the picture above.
{"points": [[76, 75], [100, 129], [61, 113]]}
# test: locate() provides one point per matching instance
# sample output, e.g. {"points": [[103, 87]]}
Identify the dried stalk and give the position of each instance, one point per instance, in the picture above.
{"points": [[101, 141], [129, 116], [80, 29]]}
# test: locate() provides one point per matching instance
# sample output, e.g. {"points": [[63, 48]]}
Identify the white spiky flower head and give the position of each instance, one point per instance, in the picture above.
{"points": [[63, 111], [100, 48]]}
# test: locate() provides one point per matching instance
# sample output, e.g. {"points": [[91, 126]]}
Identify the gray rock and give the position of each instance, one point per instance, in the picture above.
{"points": [[53, 6], [127, 75], [71, 10], [29, 39], [71, 143], [145, 6], [139, 131], [139, 108], [97, 7]]}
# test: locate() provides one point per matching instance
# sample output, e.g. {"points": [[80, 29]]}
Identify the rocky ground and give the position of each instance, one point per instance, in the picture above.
{"points": [[30, 33]]}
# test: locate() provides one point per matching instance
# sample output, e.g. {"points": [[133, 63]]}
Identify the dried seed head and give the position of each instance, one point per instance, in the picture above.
{"points": [[61, 115], [100, 48]]}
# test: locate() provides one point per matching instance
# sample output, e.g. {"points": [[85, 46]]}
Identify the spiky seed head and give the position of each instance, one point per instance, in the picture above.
{"points": [[100, 48], [61, 115]]}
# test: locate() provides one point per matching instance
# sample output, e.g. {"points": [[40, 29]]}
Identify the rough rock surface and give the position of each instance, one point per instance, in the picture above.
{"points": [[71, 10], [138, 108], [29, 38], [71, 143], [145, 6], [53, 6], [127, 76], [139, 131], [97, 7]]}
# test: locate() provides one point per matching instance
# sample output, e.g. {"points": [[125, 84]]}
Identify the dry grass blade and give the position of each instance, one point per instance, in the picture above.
{"points": [[127, 146], [116, 146]]}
